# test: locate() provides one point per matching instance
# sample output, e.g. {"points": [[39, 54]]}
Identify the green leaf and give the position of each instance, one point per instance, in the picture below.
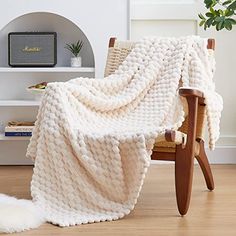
{"points": [[214, 23], [201, 16], [202, 22], [220, 25], [217, 13], [208, 14], [212, 10], [208, 3], [232, 6], [229, 12], [233, 21], [221, 12], [218, 19], [209, 22], [226, 2], [228, 25]]}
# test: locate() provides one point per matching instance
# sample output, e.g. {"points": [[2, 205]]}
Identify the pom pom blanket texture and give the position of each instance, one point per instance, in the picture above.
{"points": [[93, 138]]}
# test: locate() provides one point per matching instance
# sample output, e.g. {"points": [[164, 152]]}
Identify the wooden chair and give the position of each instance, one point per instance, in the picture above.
{"points": [[180, 146]]}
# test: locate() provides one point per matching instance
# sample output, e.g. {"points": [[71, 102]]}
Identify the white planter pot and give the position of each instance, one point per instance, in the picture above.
{"points": [[76, 62]]}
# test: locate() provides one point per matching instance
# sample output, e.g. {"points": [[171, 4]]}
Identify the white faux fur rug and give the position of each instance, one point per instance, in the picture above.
{"points": [[18, 215]]}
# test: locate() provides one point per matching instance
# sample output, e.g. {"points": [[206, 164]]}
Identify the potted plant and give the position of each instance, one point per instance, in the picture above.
{"points": [[75, 49], [221, 14]]}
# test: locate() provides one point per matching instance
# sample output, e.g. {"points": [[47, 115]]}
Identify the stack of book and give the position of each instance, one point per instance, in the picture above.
{"points": [[19, 129]]}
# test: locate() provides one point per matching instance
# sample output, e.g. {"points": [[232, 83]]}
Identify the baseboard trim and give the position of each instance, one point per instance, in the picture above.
{"points": [[226, 140], [222, 155]]}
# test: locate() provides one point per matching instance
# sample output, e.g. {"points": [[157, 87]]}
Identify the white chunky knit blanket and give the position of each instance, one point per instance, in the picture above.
{"points": [[93, 137]]}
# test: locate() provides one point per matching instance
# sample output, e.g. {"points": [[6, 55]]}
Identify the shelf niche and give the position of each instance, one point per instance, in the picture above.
{"points": [[67, 32]]}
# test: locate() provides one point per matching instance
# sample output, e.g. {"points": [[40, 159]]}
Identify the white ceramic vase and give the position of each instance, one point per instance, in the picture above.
{"points": [[76, 62]]}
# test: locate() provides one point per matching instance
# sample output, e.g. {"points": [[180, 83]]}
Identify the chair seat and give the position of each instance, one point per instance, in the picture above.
{"points": [[165, 145], [167, 142]]}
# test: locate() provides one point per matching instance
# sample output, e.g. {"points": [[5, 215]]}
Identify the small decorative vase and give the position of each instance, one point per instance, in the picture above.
{"points": [[76, 62]]}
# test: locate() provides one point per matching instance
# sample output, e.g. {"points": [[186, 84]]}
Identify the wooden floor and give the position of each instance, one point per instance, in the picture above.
{"points": [[210, 214]]}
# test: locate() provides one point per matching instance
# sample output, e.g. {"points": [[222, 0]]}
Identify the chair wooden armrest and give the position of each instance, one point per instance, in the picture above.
{"points": [[187, 92], [191, 92]]}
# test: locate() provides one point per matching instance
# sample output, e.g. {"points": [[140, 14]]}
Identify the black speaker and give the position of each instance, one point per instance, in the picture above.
{"points": [[32, 49]]}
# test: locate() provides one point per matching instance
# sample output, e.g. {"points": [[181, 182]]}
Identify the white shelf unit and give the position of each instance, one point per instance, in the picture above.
{"points": [[57, 16], [16, 103], [6, 138], [19, 103], [47, 69]]}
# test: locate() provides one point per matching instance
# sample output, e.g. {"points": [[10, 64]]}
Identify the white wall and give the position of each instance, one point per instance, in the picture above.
{"points": [[175, 18]]}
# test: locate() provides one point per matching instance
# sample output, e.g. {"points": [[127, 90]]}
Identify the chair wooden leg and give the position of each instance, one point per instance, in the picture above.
{"points": [[205, 166], [183, 178], [184, 160]]}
